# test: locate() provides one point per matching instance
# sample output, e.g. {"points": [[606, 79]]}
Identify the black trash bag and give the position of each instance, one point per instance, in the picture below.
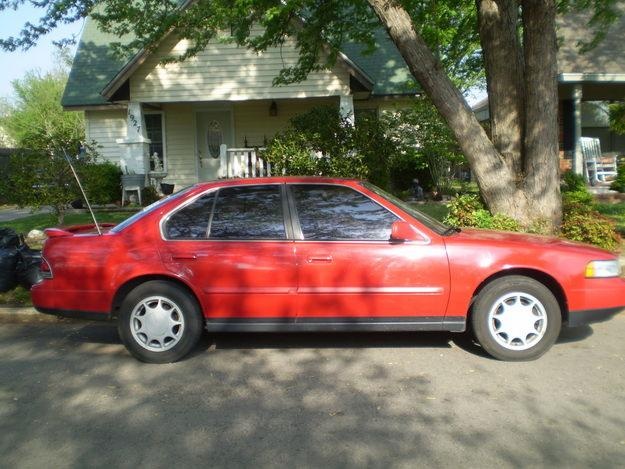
{"points": [[9, 238], [27, 272], [8, 262]]}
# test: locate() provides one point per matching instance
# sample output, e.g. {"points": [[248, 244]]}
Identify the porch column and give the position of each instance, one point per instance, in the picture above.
{"points": [[578, 160], [346, 108], [137, 158]]}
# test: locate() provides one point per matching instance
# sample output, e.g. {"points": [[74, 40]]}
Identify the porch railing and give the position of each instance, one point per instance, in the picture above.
{"points": [[242, 162]]}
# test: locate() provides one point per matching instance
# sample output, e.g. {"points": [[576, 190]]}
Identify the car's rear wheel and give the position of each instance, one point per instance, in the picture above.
{"points": [[159, 322], [516, 318]]}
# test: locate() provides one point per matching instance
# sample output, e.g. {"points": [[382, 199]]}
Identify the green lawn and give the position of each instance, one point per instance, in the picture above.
{"points": [[46, 220], [616, 212], [436, 210]]}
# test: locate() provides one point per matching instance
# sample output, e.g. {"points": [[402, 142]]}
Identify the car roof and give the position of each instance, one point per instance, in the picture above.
{"points": [[278, 180]]}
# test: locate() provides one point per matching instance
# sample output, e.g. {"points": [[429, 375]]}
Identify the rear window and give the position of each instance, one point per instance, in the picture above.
{"points": [[231, 213], [149, 209]]}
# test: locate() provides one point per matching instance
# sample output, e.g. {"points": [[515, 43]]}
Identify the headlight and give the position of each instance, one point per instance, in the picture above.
{"points": [[603, 269]]}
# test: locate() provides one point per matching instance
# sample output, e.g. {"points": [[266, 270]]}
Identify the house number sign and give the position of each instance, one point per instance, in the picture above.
{"points": [[134, 122]]}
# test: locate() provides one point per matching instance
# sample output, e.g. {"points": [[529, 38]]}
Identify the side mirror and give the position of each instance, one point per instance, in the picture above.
{"points": [[403, 231]]}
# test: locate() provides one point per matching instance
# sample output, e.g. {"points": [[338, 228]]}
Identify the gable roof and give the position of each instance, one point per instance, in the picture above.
{"points": [[94, 66], [97, 72]]}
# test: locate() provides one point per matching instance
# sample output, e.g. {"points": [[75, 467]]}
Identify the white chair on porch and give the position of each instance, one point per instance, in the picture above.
{"points": [[597, 168]]}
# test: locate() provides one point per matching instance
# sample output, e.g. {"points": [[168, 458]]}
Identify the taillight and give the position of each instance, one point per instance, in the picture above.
{"points": [[44, 269]]}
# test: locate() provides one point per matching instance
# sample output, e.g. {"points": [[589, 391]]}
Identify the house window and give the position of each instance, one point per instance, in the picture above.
{"points": [[155, 132]]}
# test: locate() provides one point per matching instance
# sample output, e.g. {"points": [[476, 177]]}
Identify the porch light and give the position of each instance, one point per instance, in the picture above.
{"points": [[273, 109]]}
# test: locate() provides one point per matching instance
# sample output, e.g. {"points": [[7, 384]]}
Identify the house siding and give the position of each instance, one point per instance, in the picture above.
{"points": [[253, 123], [225, 72], [607, 57], [105, 128]]}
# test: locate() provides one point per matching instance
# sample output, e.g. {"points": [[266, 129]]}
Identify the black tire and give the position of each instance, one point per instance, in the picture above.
{"points": [[159, 322], [535, 324]]}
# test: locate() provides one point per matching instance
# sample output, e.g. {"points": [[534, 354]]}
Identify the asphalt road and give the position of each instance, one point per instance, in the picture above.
{"points": [[70, 396]]}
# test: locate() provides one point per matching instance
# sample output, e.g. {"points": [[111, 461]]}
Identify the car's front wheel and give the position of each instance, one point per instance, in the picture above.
{"points": [[159, 322], [516, 318]]}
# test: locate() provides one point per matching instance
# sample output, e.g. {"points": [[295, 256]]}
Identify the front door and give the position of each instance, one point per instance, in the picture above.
{"points": [[349, 271], [213, 129]]}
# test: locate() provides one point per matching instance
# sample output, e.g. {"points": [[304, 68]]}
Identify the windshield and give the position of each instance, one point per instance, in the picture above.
{"points": [[149, 209], [427, 220]]}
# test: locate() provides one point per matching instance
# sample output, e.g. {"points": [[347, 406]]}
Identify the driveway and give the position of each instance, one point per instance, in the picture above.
{"points": [[71, 396]]}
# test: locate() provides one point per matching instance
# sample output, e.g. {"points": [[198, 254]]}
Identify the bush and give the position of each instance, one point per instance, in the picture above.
{"points": [[469, 211], [318, 143], [390, 150], [37, 179], [583, 224], [462, 210], [619, 182], [574, 190], [149, 195], [580, 221], [102, 182]]}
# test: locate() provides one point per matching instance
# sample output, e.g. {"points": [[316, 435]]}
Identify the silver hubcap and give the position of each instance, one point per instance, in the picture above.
{"points": [[517, 321], [157, 323]]}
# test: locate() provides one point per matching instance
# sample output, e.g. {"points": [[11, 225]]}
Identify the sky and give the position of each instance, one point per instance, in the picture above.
{"points": [[14, 65]]}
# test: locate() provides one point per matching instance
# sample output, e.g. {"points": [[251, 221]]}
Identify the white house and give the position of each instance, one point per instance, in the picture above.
{"points": [[203, 118]]}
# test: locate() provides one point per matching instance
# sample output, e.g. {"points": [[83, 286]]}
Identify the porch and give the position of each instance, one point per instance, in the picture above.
{"points": [[182, 144]]}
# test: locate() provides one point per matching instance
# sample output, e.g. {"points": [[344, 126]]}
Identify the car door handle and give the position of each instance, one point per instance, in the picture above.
{"points": [[325, 259], [183, 257]]}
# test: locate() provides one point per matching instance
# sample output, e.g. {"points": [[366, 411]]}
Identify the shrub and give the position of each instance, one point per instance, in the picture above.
{"points": [[469, 211], [36, 179], [102, 182], [619, 182], [318, 143], [149, 195], [574, 190], [581, 223]]}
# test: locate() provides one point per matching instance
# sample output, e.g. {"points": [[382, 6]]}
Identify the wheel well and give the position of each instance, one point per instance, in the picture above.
{"points": [[127, 287], [547, 280]]}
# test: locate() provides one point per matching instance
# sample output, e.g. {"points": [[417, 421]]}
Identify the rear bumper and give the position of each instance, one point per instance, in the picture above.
{"points": [[580, 318]]}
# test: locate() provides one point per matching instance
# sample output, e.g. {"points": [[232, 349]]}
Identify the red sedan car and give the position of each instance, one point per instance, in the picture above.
{"points": [[318, 254]]}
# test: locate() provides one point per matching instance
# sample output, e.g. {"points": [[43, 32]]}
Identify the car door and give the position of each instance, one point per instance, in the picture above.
{"points": [[233, 243], [350, 271]]}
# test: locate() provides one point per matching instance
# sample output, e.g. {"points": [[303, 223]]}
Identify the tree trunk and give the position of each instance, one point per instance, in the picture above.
{"points": [[523, 182], [541, 112], [503, 58], [497, 182]]}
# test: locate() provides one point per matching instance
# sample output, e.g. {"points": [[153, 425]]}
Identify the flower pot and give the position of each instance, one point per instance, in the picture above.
{"points": [[167, 189]]}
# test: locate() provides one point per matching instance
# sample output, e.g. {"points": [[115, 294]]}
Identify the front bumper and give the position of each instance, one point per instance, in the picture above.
{"points": [[580, 318]]}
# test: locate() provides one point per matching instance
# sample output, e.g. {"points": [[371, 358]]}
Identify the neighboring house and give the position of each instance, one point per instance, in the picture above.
{"points": [[204, 117], [585, 83]]}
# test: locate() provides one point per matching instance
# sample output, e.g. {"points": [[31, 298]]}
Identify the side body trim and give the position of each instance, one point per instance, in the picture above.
{"points": [[420, 323]]}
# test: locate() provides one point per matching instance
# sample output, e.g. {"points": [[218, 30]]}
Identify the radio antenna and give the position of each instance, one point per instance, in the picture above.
{"points": [[84, 194]]}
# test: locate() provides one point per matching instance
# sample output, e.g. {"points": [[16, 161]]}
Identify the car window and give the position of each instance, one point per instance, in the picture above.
{"points": [[328, 212], [149, 209], [191, 222], [424, 218], [248, 212]]}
